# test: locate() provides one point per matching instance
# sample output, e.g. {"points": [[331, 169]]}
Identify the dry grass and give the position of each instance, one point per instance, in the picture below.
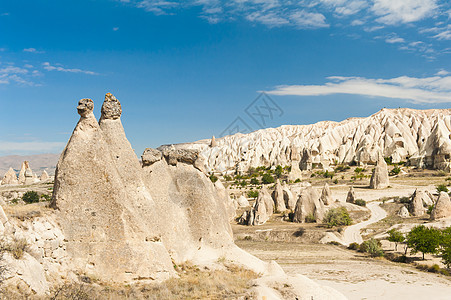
{"points": [[231, 283], [26, 211], [16, 247]]}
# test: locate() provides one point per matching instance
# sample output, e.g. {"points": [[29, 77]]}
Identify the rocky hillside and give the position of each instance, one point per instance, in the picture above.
{"points": [[38, 162], [421, 137]]}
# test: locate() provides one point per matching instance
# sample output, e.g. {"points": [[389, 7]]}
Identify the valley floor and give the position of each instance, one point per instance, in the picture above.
{"points": [[353, 274]]}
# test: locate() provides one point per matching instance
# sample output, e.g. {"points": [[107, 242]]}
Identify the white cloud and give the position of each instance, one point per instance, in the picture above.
{"points": [[304, 19], [115, 28], [435, 89], [392, 12], [444, 35], [47, 66], [12, 74], [35, 147], [269, 19], [395, 39], [442, 73]]}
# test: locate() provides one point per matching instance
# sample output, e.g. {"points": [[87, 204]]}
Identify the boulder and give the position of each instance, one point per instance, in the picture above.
{"points": [[379, 178], [350, 198], [289, 198], [326, 195], [309, 206], [277, 196], [151, 156], [442, 208], [10, 177], [403, 212]]}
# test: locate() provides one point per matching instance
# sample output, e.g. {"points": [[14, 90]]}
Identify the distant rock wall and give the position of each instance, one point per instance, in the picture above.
{"points": [[421, 136]]}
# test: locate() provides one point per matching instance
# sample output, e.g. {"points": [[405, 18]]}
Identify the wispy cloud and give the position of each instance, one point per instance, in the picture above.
{"points": [[434, 89], [406, 11], [19, 75], [32, 50], [47, 66]]}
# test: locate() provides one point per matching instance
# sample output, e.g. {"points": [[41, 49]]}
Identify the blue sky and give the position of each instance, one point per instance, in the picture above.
{"points": [[184, 70]]}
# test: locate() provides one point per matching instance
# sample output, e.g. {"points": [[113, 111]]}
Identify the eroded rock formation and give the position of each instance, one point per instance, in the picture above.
{"points": [[10, 177], [326, 195], [277, 196], [379, 178], [442, 208], [309, 207], [350, 198]]}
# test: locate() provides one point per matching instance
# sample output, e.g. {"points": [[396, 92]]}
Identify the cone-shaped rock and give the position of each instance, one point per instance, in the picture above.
{"points": [[269, 203], [242, 201], [29, 176], [22, 172], [309, 206], [290, 199], [379, 179], [277, 196], [259, 212], [351, 196], [10, 177], [442, 208], [44, 176], [326, 195], [419, 198], [90, 194], [213, 142]]}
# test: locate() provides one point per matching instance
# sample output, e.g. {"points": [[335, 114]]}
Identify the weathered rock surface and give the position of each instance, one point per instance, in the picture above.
{"points": [[10, 177], [242, 201], [379, 178], [151, 156], [309, 206], [422, 135], [326, 195], [277, 196], [23, 168], [289, 198], [442, 208], [225, 198], [351, 195], [44, 176], [403, 212], [418, 202]]}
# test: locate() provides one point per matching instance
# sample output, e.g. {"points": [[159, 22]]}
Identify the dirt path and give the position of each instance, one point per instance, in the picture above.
{"points": [[352, 233]]}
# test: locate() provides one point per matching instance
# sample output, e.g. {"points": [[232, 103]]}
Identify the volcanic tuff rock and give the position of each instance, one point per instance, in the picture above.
{"points": [[379, 178], [289, 198], [151, 156], [403, 212], [326, 195], [442, 208], [351, 195], [23, 169], [277, 196], [422, 135], [44, 176], [242, 201], [309, 205], [10, 177], [417, 203]]}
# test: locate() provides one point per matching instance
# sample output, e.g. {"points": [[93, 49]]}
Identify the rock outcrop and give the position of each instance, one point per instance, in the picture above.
{"points": [[277, 196], [442, 208], [10, 177], [23, 168], [29, 176], [422, 136], [309, 207], [289, 198], [350, 198], [242, 201], [326, 195], [44, 176], [379, 178], [418, 202]]}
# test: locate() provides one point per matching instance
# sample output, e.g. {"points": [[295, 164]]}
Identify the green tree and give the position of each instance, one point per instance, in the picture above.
{"points": [[254, 181], [279, 171], [424, 240], [30, 197], [337, 217], [396, 237], [267, 178], [252, 194], [445, 244]]}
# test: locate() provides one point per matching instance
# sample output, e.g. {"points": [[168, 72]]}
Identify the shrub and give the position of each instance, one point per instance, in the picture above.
{"points": [[442, 188], [30, 197], [46, 197], [388, 160], [373, 247], [395, 171], [278, 171], [213, 178], [430, 208], [297, 180], [360, 202], [16, 247], [353, 246], [359, 170], [396, 237], [254, 181], [335, 181], [252, 194], [267, 179], [337, 217], [341, 168], [404, 200], [310, 218], [227, 178]]}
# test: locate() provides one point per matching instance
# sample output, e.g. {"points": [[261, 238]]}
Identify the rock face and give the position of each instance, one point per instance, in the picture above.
{"points": [[10, 177], [326, 195], [350, 198], [422, 135], [309, 207], [442, 208], [289, 198], [277, 196], [29, 176], [260, 213], [225, 198], [403, 212], [24, 167], [44, 176], [418, 201], [151, 156], [242, 201], [379, 178]]}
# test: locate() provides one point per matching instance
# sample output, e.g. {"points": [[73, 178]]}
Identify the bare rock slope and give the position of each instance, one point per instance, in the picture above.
{"points": [[421, 136]]}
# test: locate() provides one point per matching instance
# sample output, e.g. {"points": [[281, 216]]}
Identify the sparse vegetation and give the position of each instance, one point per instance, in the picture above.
{"points": [[16, 247], [442, 188], [310, 218], [372, 247], [360, 202], [267, 179], [396, 237], [424, 240], [395, 171], [252, 194], [30, 197], [213, 178], [337, 217]]}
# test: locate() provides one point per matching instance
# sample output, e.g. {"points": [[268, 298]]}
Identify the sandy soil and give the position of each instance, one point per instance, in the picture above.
{"points": [[352, 273]]}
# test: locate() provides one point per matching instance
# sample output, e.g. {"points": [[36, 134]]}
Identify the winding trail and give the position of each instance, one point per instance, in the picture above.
{"points": [[352, 233]]}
